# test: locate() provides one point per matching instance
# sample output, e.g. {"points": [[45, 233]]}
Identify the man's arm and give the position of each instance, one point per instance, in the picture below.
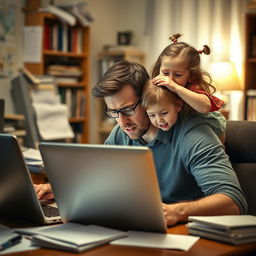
{"points": [[218, 204], [205, 159]]}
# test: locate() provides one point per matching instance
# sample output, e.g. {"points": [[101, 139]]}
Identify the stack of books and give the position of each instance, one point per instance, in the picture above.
{"points": [[233, 229]]}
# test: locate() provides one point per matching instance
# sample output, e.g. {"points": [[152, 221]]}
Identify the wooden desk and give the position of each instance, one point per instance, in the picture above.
{"points": [[203, 247]]}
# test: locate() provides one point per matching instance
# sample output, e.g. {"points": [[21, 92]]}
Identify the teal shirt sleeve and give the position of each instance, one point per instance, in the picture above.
{"points": [[207, 161], [217, 121]]}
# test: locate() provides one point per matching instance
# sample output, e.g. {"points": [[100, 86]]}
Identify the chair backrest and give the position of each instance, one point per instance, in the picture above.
{"points": [[241, 147]]}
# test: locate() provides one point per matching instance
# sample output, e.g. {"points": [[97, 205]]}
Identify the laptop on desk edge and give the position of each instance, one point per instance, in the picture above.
{"points": [[17, 195], [112, 186]]}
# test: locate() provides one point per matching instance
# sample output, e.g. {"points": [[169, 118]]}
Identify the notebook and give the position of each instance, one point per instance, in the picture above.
{"points": [[111, 186], [17, 194]]}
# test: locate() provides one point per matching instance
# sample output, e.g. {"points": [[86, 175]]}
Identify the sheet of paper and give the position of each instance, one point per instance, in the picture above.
{"points": [[53, 121], [32, 38], [156, 240]]}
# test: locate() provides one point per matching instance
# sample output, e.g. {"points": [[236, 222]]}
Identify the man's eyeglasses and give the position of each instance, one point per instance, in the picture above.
{"points": [[128, 111]]}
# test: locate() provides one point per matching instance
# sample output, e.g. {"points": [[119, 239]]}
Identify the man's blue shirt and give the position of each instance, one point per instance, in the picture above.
{"points": [[190, 160]]}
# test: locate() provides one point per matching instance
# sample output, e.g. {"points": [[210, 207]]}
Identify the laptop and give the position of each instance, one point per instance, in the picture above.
{"points": [[17, 195], [111, 186]]}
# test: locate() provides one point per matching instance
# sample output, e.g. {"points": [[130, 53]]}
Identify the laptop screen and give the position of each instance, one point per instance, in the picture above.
{"points": [[113, 186]]}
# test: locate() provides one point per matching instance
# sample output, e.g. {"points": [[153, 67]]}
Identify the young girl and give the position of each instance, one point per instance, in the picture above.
{"points": [[178, 69]]}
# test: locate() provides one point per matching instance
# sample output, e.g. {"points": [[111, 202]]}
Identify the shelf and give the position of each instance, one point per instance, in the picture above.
{"points": [[252, 60], [64, 54], [19, 133], [65, 45], [77, 119], [75, 85], [14, 117]]}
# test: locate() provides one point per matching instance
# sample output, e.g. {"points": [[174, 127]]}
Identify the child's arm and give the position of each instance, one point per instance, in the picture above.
{"points": [[199, 102]]}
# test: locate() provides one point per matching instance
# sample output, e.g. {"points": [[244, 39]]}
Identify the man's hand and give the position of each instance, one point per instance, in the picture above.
{"points": [[172, 214], [44, 191], [165, 81], [217, 204]]}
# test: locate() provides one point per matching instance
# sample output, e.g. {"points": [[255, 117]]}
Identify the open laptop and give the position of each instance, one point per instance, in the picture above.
{"points": [[17, 194], [112, 186]]}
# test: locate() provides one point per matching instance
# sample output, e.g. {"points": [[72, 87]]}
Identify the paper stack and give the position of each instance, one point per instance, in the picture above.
{"points": [[71, 236], [233, 229]]}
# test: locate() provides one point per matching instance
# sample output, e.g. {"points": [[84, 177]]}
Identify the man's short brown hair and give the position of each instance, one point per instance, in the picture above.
{"points": [[119, 75]]}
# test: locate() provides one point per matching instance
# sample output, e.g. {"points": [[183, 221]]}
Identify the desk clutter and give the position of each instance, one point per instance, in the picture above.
{"points": [[8, 238], [78, 238], [233, 229]]}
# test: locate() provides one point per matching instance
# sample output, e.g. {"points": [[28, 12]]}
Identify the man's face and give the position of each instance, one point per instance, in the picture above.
{"points": [[134, 126]]}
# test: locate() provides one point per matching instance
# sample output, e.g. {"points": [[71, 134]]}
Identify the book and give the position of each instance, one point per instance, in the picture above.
{"points": [[71, 236], [234, 229], [39, 79], [8, 238]]}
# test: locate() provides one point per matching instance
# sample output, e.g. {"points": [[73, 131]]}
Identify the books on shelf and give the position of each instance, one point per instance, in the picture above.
{"points": [[64, 70], [71, 236], [37, 79], [233, 229], [61, 37], [251, 105], [75, 101]]}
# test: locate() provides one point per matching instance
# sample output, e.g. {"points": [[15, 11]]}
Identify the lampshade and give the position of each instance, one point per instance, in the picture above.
{"points": [[224, 76]]}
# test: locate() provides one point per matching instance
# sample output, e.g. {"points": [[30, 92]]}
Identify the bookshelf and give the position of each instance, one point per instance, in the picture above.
{"points": [[106, 60], [65, 55], [250, 67], [14, 124]]}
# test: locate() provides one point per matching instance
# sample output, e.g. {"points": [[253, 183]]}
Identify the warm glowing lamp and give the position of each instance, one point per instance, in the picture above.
{"points": [[226, 81], [224, 76]]}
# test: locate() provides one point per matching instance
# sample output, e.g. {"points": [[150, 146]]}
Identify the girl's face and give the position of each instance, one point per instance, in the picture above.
{"points": [[176, 69], [164, 114]]}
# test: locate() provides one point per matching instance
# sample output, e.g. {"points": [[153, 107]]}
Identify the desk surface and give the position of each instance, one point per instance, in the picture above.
{"points": [[203, 247]]}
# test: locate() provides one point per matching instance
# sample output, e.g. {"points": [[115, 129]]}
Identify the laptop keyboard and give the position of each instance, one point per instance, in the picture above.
{"points": [[50, 211]]}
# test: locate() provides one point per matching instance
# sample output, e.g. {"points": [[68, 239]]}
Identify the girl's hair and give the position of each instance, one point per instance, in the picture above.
{"points": [[191, 57], [153, 94]]}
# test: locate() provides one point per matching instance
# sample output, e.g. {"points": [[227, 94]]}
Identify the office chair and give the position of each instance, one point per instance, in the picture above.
{"points": [[241, 148]]}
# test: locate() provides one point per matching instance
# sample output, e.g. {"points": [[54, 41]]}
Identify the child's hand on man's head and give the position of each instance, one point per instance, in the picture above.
{"points": [[165, 81]]}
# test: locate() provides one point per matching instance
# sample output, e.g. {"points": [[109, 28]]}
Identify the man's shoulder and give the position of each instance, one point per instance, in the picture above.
{"points": [[196, 122]]}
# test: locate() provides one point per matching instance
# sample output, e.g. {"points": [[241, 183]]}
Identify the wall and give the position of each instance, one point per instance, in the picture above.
{"points": [[5, 84]]}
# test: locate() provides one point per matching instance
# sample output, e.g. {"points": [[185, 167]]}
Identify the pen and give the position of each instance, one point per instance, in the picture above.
{"points": [[10, 243]]}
